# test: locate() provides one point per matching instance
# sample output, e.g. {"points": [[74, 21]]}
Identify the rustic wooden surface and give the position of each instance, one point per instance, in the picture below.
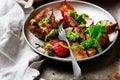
{"points": [[104, 67]]}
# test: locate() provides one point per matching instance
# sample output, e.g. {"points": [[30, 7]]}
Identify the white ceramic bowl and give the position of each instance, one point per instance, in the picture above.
{"points": [[95, 12]]}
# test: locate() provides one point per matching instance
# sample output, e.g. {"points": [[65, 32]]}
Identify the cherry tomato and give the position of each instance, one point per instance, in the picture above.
{"points": [[59, 50]]}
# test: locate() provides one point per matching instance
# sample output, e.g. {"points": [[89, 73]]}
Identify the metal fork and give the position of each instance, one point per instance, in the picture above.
{"points": [[76, 67]]}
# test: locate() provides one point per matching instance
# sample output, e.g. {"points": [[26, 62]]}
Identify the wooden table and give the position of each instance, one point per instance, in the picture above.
{"points": [[104, 67]]}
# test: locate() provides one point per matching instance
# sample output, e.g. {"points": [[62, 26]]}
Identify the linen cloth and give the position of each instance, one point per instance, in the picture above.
{"points": [[15, 55]]}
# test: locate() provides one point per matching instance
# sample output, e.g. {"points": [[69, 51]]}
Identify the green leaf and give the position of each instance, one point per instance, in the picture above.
{"points": [[78, 47], [73, 36], [78, 17], [95, 30], [64, 46], [72, 47], [43, 21], [83, 15], [98, 46], [43, 44], [87, 43], [51, 34]]}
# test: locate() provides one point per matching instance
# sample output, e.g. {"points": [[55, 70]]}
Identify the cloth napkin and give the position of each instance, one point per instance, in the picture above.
{"points": [[15, 55]]}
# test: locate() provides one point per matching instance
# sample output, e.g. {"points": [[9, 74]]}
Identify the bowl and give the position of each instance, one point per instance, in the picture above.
{"points": [[95, 12]]}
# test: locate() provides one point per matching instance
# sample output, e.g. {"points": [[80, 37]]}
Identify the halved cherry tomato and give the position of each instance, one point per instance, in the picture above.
{"points": [[59, 50]]}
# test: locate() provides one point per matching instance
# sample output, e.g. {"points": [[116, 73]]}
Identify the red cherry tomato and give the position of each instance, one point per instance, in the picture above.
{"points": [[59, 50]]}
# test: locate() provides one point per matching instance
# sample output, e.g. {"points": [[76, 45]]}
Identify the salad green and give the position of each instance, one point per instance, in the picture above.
{"points": [[43, 21], [73, 36], [78, 17], [52, 33], [95, 32]]}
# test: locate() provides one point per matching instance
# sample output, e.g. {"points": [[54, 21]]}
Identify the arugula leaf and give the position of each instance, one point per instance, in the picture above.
{"points": [[73, 36], [98, 46], [78, 17], [43, 44], [87, 43], [78, 47], [52, 33], [68, 47], [95, 30], [72, 47], [43, 21]]}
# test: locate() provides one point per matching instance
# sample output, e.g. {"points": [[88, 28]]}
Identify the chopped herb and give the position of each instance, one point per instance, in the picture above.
{"points": [[97, 44], [87, 43], [51, 34], [95, 32], [43, 21], [78, 17], [43, 44], [78, 47], [64, 46], [71, 47], [73, 36]]}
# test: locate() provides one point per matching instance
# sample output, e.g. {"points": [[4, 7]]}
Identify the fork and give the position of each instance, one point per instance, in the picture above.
{"points": [[76, 67]]}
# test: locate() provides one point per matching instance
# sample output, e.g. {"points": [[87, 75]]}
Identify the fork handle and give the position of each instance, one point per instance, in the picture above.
{"points": [[76, 67]]}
